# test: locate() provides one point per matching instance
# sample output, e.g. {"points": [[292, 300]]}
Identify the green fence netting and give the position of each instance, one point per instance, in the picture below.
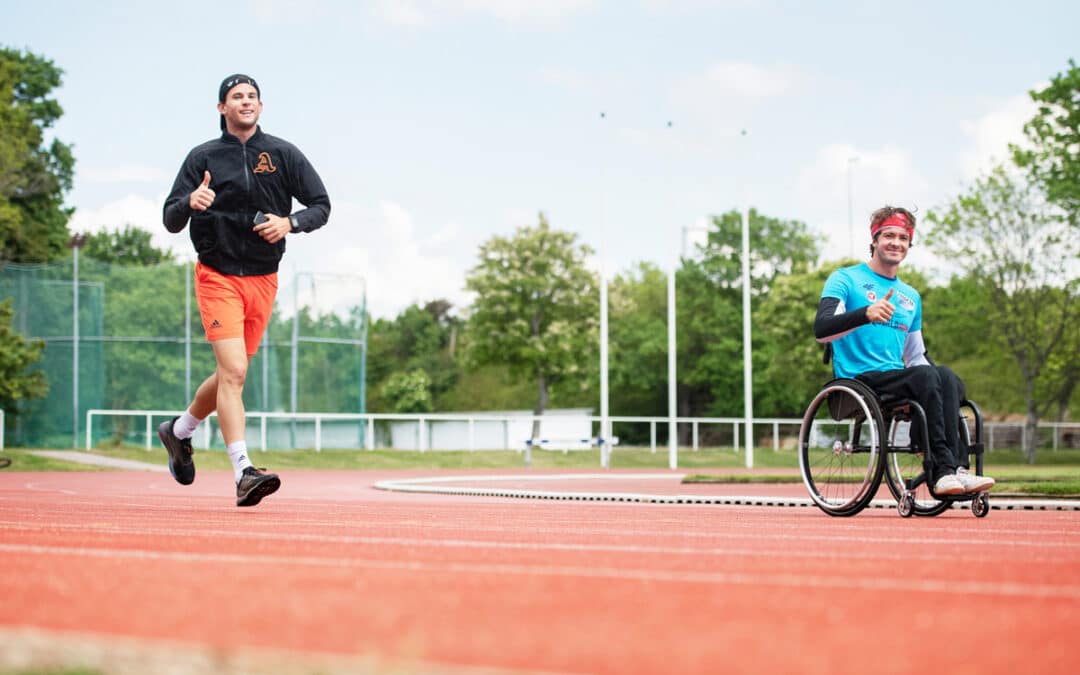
{"points": [[139, 345]]}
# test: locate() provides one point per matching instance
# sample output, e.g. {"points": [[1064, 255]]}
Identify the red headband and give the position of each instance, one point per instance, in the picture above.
{"points": [[895, 220]]}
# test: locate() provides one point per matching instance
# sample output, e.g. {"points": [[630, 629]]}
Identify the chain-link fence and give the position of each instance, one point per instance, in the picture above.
{"points": [[130, 337]]}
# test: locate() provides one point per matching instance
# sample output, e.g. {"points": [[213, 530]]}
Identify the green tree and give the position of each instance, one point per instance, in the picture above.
{"points": [[33, 176], [952, 314], [638, 341], [128, 246], [1002, 234], [1051, 159], [709, 297], [777, 246], [408, 392], [420, 337], [793, 371], [535, 309], [17, 381]]}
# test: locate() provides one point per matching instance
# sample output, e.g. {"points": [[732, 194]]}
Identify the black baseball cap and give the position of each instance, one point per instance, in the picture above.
{"points": [[231, 81]]}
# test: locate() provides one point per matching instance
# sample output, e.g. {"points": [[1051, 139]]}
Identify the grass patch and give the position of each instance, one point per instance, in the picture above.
{"points": [[1007, 465]]}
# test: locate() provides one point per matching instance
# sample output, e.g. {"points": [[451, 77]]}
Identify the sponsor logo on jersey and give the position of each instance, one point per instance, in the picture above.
{"points": [[905, 302]]}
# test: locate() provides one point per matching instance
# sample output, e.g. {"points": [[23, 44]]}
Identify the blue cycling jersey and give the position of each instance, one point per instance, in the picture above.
{"points": [[874, 346]]}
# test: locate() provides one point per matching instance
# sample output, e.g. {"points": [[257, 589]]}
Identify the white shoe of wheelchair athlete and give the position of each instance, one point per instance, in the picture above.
{"points": [[948, 485], [973, 483]]}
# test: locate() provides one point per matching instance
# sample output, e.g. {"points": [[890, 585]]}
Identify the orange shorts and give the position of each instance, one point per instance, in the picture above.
{"points": [[233, 307]]}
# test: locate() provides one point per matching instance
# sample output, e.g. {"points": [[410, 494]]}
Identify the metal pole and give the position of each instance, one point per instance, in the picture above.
{"points": [[75, 345], [295, 356], [748, 381], [363, 360], [673, 436], [850, 217], [605, 459], [603, 305], [187, 332]]}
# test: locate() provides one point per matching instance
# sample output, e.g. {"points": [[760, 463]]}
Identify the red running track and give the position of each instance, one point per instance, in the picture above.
{"points": [[331, 566]]}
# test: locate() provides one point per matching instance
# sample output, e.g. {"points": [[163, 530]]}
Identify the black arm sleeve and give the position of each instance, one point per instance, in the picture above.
{"points": [[828, 325], [177, 209], [309, 191]]}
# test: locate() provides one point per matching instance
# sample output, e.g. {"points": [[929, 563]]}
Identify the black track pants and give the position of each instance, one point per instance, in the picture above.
{"points": [[939, 391]]}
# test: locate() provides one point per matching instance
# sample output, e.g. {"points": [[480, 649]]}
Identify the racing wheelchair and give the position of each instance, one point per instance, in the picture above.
{"points": [[852, 438]]}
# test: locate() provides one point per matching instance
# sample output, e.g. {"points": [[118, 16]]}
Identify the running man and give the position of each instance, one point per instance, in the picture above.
{"points": [[874, 321], [237, 190]]}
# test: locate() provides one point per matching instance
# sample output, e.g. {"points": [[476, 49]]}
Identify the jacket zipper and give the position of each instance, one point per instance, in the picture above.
{"points": [[247, 189]]}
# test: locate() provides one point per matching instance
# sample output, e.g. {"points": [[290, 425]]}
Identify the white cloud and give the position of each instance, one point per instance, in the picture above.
{"points": [[567, 79], [991, 133], [381, 245], [749, 80], [412, 13], [725, 96], [693, 5], [523, 11], [885, 175], [128, 173], [400, 13], [139, 211]]}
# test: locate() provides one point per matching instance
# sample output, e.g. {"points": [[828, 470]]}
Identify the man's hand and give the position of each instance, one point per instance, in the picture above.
{"points": [[882, 310], [203, 196], [274, 228]]}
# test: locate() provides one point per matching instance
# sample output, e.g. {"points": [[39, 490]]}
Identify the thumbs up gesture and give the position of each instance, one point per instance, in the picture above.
{"points": [[882, 310], [202, 197]]}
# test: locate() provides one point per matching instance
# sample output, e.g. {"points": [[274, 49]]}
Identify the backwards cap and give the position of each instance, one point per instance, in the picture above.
{"points": [[231, 81]]}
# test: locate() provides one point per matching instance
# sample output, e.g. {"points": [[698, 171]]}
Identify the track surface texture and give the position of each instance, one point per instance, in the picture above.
{"points": [[130, 572]]}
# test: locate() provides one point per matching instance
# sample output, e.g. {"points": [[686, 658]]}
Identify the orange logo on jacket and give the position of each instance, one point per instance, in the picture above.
{"points": [[265, 165]]}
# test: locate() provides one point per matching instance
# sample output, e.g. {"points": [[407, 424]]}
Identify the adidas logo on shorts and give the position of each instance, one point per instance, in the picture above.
{"points": [[215, 324]]}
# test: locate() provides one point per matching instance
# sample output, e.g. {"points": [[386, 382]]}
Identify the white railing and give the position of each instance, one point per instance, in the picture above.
{"points": [[423, 434], [505, 439]]}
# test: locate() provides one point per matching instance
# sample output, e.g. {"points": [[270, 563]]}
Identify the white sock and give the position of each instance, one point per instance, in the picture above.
{"points": [[239, 458], [185, 425]]}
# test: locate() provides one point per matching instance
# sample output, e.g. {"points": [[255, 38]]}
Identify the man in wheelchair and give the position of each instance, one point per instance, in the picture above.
{"points": [[873, 322]]}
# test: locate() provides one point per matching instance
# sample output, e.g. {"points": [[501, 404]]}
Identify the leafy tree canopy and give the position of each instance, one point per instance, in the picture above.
{"points": [[34, 173], [128, 246]]}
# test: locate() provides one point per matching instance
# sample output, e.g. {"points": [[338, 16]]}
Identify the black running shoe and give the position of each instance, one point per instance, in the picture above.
{"points": [[254, 485], [181, 465]]}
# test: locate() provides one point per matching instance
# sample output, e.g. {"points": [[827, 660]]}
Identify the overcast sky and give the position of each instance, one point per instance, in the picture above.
{"points": [[437, 124]]}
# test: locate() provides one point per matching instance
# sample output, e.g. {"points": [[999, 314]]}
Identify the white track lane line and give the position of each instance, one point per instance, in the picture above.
{"points": [[874, 584], [819, 551]]}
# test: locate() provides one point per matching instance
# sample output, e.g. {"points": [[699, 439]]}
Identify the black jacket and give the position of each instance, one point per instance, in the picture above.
{"points": [[263, 174]]}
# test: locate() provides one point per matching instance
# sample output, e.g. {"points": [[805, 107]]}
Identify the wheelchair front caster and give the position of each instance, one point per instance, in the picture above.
{"points": [[980, 505], [906, 506]]}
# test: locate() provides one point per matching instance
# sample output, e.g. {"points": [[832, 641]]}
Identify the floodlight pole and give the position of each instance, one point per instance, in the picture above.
{"points": [[673, 427], [76, 243], [187, 331], [605, 422], [748, 368], [850, 219], [605, 460]]}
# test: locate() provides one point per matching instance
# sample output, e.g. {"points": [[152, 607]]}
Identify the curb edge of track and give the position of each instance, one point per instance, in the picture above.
{"points": [[433, 486]]}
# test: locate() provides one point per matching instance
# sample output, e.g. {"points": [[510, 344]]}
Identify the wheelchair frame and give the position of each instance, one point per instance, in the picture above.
{"points": [[833, 477]]}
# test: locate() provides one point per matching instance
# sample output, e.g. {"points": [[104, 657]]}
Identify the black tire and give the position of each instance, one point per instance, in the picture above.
{"points": [[905, 465], [840, 448], [980, 505]]}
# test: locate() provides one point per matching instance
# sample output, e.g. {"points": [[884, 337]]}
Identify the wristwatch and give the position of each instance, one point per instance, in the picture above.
{"points": [[294, 226]]}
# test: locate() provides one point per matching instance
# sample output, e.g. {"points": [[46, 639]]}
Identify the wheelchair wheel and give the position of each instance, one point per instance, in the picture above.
{"points": [[840, 448], [905, 463]]}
